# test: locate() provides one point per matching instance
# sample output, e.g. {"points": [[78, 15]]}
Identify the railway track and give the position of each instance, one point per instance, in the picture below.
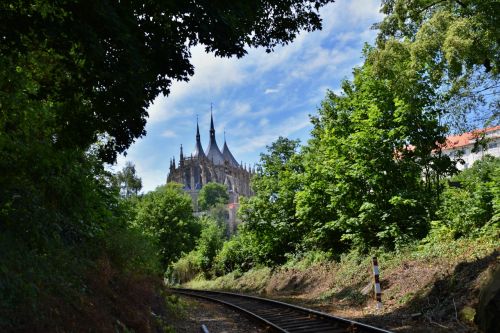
{"points": [[283, 317]]}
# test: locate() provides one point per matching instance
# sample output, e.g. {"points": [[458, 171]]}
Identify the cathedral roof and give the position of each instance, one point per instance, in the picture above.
{"points": [[213, 152], [198, 150], [226, 153]]}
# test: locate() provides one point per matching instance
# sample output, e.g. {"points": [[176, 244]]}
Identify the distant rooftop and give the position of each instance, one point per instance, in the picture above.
{"points": [[469, 138]]}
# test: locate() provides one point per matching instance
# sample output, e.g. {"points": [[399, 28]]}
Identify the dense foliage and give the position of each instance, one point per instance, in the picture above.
{"points": [[470, 200], [65, 237], [211, 195], [165, 216], [96, 66], [200, 260], [373, 165], [76, 78], [373, 174], [455, 44]]}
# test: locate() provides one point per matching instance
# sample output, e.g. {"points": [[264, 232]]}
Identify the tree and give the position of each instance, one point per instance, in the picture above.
{"points": [[127, 181], [166, 217], [98, 65], [76, 79], [370, 148], [211, 195], [209, 243], [270, 214], [466, 208], [455, 45]]}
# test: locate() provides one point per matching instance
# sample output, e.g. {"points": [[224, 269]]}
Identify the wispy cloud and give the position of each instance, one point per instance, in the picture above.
{"points": [[285, 129], [259, 97], [169, 134], [271, 91]]}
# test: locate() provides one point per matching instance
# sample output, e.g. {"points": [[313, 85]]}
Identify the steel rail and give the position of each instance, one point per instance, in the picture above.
{"points": [[283, 317]]}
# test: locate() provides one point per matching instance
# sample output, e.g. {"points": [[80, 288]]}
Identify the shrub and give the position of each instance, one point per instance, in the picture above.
{"points": [[241, 253], [211, 195], [165, 216], [186, 268], [474, 203]]}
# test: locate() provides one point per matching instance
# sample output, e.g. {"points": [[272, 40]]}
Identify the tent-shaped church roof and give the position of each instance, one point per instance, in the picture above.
{"points": [[226, 153], [213, 152], [198, 149]]}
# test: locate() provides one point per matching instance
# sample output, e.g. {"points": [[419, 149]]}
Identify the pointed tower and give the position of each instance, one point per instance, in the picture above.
{"points": [[226, 153], [198, 150], [213, 152], [181, 158]]}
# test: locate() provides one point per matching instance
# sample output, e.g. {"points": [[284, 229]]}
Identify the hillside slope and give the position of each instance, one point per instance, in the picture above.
{"points": [[430, 287]]}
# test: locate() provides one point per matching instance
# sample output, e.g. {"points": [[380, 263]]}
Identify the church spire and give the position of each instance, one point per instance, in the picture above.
{"points": [[212, 129], [181, 158], [226, 153], [198, 149], [197, 130], [213, 152]]}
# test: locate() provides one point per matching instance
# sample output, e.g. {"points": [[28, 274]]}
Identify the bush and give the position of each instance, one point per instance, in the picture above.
{"points": [[165, 216], [201, 259], [470, 206], [240, 253], [209, 243], [304, 260], [186, 268]]}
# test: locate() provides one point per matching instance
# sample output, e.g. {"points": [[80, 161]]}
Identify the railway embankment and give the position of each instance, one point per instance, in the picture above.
{"points": [[439, 285]]}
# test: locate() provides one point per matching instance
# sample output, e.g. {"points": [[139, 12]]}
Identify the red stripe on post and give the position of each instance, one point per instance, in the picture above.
{"points": [[376, 278]]}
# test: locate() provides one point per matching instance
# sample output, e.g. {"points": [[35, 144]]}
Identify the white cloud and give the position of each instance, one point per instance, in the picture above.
{"points": [[263, 122], [286, 128], [212, 75], [169, 134], [240, 109], [271, 91], [259, 97]]}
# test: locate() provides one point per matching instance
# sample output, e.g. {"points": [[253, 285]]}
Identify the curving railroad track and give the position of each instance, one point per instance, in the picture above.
{"points": [[283, 317]]}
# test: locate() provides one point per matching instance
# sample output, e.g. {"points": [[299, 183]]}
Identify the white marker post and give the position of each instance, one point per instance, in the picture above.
{"points": [[378, 290]]}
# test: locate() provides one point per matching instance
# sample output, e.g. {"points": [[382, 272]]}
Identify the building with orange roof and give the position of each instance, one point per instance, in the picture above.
{"points": [[462, 146]]}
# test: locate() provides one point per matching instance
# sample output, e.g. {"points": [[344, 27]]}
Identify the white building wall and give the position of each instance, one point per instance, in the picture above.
{"points": [[469, 157]]}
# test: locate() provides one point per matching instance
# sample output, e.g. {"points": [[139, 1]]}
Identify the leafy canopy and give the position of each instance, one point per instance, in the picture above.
{"points": [[455, 44], [127, 181], [270, 214], [211, 195], [166, 217], [96, 66]]}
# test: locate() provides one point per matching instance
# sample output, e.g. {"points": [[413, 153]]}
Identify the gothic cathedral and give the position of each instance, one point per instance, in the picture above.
{"points": [[201, 167]]}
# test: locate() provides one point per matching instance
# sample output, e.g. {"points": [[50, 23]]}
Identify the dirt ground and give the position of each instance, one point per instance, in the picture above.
{"points": [[217, 319], [436, 289], [417, 297]]}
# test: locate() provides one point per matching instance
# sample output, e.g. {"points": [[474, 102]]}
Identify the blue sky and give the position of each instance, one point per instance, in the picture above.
{"points": [[256, 98]]}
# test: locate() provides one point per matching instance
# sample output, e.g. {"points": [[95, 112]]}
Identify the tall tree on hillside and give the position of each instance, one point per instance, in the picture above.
{"points": [[97, 65], [127, 180], [270, 214], [456, 45], [211, 195], [363, 167]]}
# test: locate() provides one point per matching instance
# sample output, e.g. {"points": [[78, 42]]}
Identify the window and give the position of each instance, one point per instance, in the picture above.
{"points": [[492, 145]]}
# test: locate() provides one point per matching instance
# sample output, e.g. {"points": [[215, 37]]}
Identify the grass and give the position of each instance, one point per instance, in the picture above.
{"points": [[321, 279]]}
